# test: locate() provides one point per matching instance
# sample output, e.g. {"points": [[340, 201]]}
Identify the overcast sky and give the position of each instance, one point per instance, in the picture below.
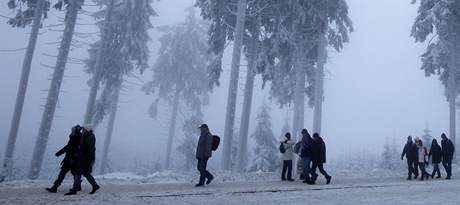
{"points": [[374, 87]]}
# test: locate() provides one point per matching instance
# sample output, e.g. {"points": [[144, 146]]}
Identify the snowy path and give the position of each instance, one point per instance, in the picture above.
{"points": [[385, 191]]}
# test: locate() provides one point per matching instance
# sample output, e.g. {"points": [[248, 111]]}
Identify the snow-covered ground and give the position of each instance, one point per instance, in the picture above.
{"points": [[258, 188]]}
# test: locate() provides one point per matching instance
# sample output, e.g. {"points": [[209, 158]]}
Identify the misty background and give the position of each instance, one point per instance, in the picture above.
{"points": [[374, 89]]}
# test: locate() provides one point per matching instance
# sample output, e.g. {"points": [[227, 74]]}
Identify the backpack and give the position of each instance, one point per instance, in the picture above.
{"points": [[215, 142], [282, 149]]}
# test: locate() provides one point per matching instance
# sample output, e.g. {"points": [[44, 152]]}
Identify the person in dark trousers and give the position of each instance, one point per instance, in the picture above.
{"points": [[69, 150], [203, 153], [305, 155], [319, 158], [84, 160], [448, 150], [411, 153], [287, 157], [422, 154], [436, 156]]}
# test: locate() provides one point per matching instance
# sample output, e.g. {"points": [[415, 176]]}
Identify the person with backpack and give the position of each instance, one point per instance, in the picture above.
{"points": [[203, 153], [286, 149], [305, 155], [410, 152], [69, 150], [422, 154], [319, 158], [436, 156], [448, 150]]}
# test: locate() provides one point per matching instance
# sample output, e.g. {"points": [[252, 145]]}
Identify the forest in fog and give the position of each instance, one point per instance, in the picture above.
{"points": [[147, 73]]}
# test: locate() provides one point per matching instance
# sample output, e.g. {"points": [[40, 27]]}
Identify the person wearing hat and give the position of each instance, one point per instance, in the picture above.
{"points": [[422, 158], [69, 150], [203, 153], [84, 161], [448, 150], [410, 151], [287, 157], [305, 155]]}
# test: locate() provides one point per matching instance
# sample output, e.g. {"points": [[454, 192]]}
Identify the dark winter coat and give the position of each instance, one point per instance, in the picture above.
{"points": [[435, 153], [86, 154], [319, 151], [410, 151], [204, 147], [448, 149], [306, 149], [70, 149]]}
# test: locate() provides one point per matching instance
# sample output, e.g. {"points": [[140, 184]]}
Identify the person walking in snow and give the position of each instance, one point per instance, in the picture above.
{"points": [[319, 158], [448, 150], [84, 161], [410, 151], [287, 156], [203, 153], [69, 150], [436, 156], [422, 154], [305, 155]]}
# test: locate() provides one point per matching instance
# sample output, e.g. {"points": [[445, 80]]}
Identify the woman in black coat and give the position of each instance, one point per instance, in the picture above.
{"points": [[436, 158], [319, 158]]}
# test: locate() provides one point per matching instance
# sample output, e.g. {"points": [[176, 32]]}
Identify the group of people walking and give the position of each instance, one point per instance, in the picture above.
{"points": [[80, 154], [312, 153], [418, 157]]}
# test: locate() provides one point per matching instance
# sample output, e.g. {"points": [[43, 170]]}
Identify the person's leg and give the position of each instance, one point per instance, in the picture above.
{"points": [[202, 171], [321, 169], [207, 174], [283, 171], [415, 168], [449, 166], [422, 170], [306, 168], [76, 184], [91, 181], [314, 166], [61, 176], [410, 169], [438, 172], [289, 170]]}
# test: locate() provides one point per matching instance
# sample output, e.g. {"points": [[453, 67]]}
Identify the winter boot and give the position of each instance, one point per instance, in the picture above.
{"points": [[328, 179], [95, 188], [409, 177], [209, 180], [52, 189], [199, 185], [71, 192]]}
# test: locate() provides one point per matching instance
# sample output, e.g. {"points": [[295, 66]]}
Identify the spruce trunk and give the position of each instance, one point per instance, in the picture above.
{"points": [[247, 103], [299, 94], [319, 86], [233, 86], [109, 133], [55, 86], [98, 65], [172, 128], [22, 89]]}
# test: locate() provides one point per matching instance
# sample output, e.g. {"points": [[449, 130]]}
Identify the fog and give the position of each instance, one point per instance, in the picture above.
{"points": [[374, 89]]}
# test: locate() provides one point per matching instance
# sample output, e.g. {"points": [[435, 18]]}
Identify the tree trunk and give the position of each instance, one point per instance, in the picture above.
{"points": [[247, 103], [53, 93], [172, 127], [233, 87], [110, 126], [22, 89], [98, 65], [319, 86], [452, 98], [299, 93]]}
